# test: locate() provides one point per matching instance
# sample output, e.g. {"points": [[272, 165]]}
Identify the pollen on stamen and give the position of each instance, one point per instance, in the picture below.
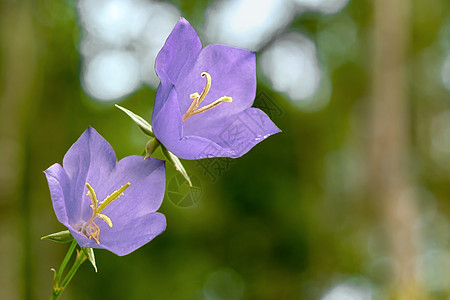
{"points": [[198, 99], [90, 229]]}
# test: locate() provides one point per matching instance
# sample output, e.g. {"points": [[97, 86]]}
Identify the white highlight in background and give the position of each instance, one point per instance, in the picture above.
{"points": [[322, 6], [132, 30], [162, 18], [116, 22], [111, 75], [247, 23], [292, 66], [445, 73], [348, 291]]}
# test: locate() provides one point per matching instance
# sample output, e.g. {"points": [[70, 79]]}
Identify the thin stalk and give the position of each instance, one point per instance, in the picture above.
{"points": [[58, 287], [65, 261], [81, 258]]}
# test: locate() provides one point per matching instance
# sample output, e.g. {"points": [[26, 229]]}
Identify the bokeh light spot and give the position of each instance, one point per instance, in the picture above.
{"points": [[291, 65], [224, 284], [247, 23], [435, 265], [116, 22], [161, 20], [111, 75], [446, 73], [349, 291], [323, 6]]}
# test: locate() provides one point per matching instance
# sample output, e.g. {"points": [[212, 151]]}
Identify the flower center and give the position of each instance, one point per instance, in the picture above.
{"points": [[197, 99], [89, 229]]}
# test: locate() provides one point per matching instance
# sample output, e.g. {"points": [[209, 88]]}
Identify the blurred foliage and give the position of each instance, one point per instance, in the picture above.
{"points": [[289, 220]]}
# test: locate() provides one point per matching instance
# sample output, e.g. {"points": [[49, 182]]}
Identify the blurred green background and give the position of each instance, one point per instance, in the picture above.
{"points": [[350, 201]]}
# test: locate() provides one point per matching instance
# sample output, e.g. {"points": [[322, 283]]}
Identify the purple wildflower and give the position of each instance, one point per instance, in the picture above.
{"points": [[203, 103], [104, 203]]}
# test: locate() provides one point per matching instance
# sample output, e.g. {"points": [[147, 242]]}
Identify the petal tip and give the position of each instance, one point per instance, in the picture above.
{"points": [[183, 21], [51, 169]]}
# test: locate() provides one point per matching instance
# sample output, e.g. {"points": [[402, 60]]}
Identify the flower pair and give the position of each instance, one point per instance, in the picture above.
{"points": [[202, 109]]}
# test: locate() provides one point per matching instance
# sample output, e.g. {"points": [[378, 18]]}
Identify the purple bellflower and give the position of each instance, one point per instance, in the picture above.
{"points": [[104, 203], [203, 103]]}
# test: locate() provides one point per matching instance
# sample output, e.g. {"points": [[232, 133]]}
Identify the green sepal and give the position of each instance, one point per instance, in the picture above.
{"points": [[150, 147], [90, 255], [140, 122], [177, 163], [59, 237]]}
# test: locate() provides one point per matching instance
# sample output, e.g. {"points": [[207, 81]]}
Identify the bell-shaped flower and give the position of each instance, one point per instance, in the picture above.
{"points": [[203, 103], [104, 203]]}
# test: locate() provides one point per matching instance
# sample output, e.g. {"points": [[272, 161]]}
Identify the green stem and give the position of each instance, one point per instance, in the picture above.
{"points": [[65, 261], [81, 258], [55, 295], [58, 287]]}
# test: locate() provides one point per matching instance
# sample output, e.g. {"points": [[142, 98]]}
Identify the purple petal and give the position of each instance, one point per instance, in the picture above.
{"points": [[145, 194], [230, 137], [126, 238], [197, 147], [234, 136], [176, 59], [168, 130], [167, 124], [83, 241], [136, 206], [59, 186], [237, 135], [233, 74], [209, 134], [134, 234], [91, 159]]}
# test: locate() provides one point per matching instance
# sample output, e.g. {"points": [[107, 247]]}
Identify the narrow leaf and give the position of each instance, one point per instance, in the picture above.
{"points": [[141, 123], [59, 237], [177, 163], [90, 255]]}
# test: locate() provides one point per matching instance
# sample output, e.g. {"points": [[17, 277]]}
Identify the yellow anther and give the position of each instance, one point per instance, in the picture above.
{"points": [[198, 99], [89, 229], [105, 219], [93, 196], [114, 196]]}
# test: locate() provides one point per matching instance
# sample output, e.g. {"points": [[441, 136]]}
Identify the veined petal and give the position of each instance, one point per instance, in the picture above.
{"points": [[176, 59], [233, 74], [168, 130], [135, 185], [197, 147], [167, 125], [144, 195], [59, 185], [83, 241], [237, 135], [179, 52], [130, 236], [208, 77], [231, 137], [90, 159]]}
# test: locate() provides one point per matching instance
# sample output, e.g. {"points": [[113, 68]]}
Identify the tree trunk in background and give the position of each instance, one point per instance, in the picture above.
{"points": [[390, 179]]}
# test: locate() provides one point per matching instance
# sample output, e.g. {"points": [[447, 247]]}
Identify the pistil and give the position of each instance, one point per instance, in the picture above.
{"points": [[91, 230], [198, 99]]}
